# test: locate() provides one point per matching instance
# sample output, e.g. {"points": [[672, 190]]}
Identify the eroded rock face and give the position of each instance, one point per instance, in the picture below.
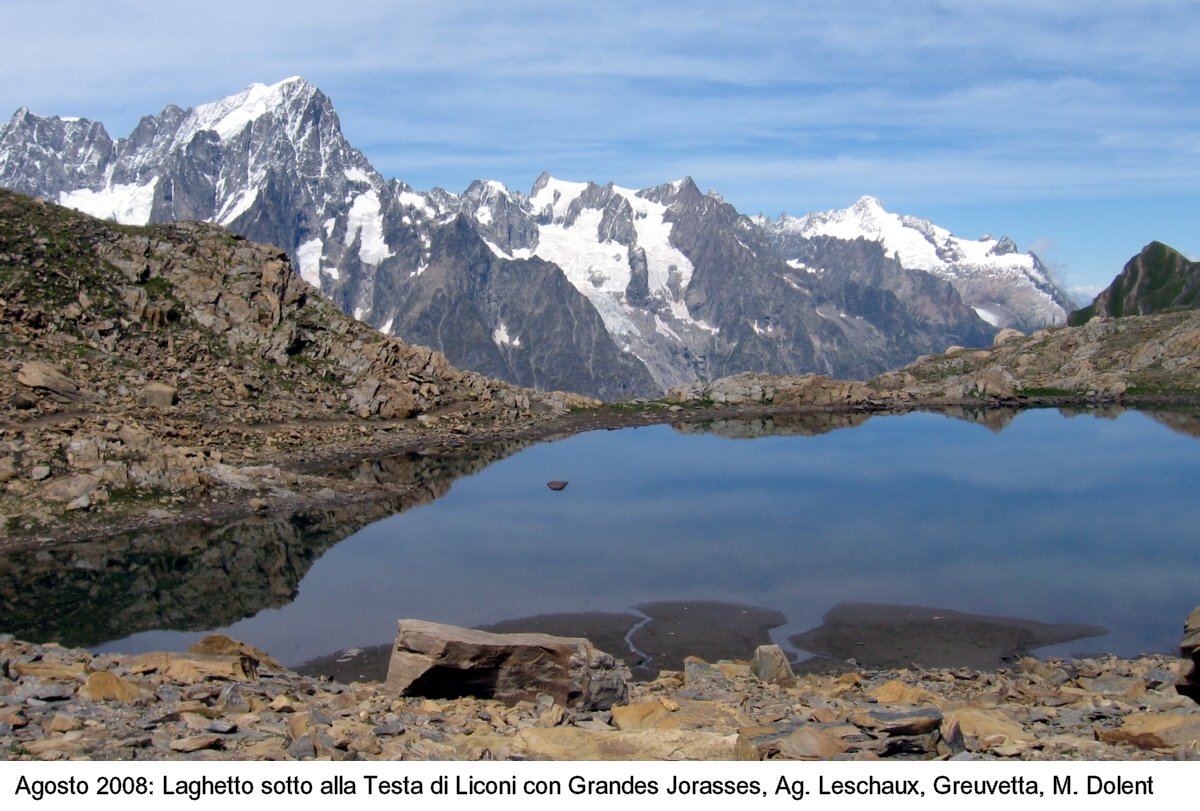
{"points": [[445, 661], [50, 379]]}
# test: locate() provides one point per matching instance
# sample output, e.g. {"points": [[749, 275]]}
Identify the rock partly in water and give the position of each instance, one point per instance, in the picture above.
{"points": [[444, 661]]}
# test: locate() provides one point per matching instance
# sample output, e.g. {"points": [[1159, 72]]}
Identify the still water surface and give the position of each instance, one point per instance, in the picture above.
{"points": [[1057, 518]]}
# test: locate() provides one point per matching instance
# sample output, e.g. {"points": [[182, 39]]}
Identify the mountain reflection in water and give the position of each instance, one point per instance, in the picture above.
{"points": [[1051, 516]]}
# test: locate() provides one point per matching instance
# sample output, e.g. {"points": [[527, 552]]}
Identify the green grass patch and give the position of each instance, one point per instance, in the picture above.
{"points": [[1046, 391]]}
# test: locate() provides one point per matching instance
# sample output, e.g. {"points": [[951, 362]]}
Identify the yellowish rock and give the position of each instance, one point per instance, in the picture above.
{"points": [[808, 743], [982, 730], [107, 686], [687, 714], [52, 671], [573, 743], [1155, 730], [64, 723], [222, 645], [897, 692]]}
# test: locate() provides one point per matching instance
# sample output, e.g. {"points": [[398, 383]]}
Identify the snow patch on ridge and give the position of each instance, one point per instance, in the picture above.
{"points": [[987, 315], [366, 222], [558, 194], [308, 256], [127, 203], [502, 339], [237, 206], [598, 270]]}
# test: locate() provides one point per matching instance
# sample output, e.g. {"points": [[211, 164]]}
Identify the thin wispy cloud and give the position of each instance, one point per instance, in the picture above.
{"points": [[780, 106]]}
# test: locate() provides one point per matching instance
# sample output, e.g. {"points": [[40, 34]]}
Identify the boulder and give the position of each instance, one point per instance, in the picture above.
{"points": [[1155, 730], [982, 730], [1005, 335], [222, 645], [158, 395], [1189, 682], [70, 488], [573, 743], [104, 685], [770, 665], [444, 661], [37, 375], [682, 714]]}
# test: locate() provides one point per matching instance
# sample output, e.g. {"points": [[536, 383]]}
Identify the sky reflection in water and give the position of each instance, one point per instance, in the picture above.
{"points": [[1061, 519]]}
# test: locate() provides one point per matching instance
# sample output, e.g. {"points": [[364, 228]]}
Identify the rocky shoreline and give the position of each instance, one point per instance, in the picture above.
{"points": [[224, 700]]}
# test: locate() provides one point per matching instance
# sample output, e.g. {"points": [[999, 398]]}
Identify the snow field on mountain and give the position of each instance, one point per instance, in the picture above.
{"points": [[364, 221], [128, 204]]}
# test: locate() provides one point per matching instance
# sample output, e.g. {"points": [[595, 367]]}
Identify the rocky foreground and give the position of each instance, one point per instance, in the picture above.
{"points": [[226, 700]]}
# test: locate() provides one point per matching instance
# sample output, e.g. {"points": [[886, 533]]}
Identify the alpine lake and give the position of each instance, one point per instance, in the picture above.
{"points": [[987, 532]]}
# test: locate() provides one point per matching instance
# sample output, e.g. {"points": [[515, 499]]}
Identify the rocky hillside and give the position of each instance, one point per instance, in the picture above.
{"points": [[1154, 356], [1156, 280], [1150, 357], [176, 359]]}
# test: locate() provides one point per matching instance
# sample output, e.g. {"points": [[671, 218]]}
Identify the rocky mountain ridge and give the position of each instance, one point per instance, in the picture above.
{"points": [[1007, 288], [608, 291], [1158, 279]]}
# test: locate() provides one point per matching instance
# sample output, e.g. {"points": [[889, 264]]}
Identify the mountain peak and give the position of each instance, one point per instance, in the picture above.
{"points": [[868, 203], [230, 115]]}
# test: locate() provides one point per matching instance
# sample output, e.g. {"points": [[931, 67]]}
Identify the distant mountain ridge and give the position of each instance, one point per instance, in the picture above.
{"points": [[1006, 288], [1158, 279], [603, 290]]}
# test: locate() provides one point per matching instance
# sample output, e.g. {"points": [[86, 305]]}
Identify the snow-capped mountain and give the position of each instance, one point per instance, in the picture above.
{"points": [[1006, 288], [604, 290]]}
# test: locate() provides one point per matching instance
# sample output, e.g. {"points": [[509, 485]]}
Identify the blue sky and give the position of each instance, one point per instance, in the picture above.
{"points": [[1073, 128]]}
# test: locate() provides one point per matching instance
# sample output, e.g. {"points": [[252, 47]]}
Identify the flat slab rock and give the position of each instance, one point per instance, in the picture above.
{"points": [[445, 661]]}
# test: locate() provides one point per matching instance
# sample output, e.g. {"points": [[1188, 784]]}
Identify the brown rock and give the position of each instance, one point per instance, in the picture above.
{"points": [[682, 714], [982, 730], [1155, 730], [1005, 335], [158, 395], [1189, 681], [770, 665], [572, 743], [897, 692], [444, 661], [64, 723], [195, 743], [222, 645], [808, 743], [70, 488], [60, 671], [190, 668], [106, 686], [43, 376], [907, 722]]}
